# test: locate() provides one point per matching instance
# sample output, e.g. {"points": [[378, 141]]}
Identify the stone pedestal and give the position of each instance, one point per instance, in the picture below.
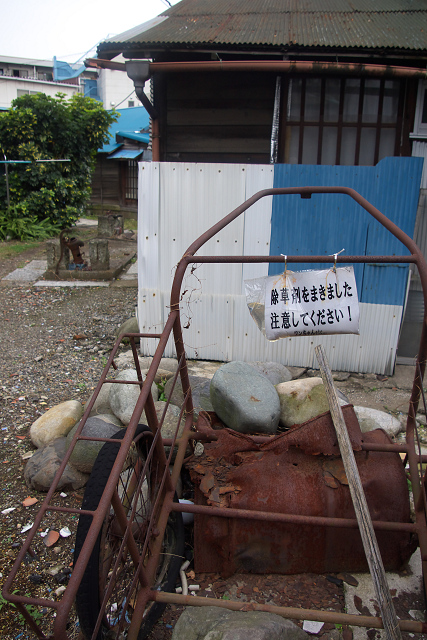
{"points": [[110, 225], [53, 253], [99, 254]]}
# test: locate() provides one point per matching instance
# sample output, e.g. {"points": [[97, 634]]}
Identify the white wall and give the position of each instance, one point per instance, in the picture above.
{"points": [[9, 88], [115, 89]]}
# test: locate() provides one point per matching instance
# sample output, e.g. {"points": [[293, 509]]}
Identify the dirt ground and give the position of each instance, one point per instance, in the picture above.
{"points": [[54, 344]]}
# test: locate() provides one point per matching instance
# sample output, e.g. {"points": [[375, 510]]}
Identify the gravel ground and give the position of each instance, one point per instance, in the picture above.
{"points": [[54, 344]]}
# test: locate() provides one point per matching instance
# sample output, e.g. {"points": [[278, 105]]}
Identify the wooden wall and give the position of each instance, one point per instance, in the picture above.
{"points": [[106, 182], [216, 117]]}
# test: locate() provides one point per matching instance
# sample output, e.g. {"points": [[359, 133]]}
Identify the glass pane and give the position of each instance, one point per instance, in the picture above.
{"points": [[351, 100], [348, 145], [390, 101], [312, 99], [309, 145], [367, 146], [387, 141], [291, 145], [371, 99], [332, 100], [294, 100], [329, 145]]}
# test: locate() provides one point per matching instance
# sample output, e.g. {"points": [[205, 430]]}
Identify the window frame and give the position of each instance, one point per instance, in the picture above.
{"points": [[359, 125]]}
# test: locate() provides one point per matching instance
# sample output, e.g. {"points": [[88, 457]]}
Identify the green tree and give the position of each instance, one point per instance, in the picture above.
{"points": [[39, 127]]}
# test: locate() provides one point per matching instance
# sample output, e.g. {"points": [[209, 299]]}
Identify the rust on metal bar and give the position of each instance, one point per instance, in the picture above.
{"points": [[236, 507], [287, 612]]}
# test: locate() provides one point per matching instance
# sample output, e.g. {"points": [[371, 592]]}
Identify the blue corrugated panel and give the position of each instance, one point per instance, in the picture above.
{"points": [[327, 223]]}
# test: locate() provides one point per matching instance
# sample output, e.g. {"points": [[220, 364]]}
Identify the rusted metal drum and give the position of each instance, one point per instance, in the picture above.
{"points": [[298, 472]]}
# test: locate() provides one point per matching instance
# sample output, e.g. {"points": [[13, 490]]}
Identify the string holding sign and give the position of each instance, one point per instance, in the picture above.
{"points": [[305, 303]]}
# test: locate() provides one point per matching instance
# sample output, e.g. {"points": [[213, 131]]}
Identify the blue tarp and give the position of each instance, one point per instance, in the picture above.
{"points": [[64, 71]]}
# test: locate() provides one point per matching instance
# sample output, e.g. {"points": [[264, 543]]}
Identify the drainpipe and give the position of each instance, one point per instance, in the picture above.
{"points": [[139, 72]]}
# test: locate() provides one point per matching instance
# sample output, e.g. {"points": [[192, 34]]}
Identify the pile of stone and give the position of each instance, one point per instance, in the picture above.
{"points": [[247, 397]]}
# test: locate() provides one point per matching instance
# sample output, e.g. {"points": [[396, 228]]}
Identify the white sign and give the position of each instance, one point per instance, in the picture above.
{"points": [[311, 303]]}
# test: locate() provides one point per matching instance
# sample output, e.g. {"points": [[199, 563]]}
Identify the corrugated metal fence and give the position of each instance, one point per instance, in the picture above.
{"points": [[179, 201]]}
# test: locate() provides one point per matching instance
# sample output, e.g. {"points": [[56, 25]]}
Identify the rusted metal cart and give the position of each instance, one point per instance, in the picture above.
{"points": [[129, 540]]}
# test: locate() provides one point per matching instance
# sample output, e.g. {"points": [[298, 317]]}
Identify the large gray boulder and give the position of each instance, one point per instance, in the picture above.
{"points": [[102, 402], [301, 400], [214, 623], [123, 397], [41, 468], [170, 422], [200, 393], [370, 419], [273, 371], [86, 452], [244, 399], [56, 422]]}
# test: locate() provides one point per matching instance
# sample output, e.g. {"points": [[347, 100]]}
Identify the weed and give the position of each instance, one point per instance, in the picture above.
{"points": [[161, 388]]}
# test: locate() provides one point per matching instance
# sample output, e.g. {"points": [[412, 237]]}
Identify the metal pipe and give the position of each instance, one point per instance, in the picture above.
{"points": [[291, 66], [273, 66], [287, 612], [288, 518]]}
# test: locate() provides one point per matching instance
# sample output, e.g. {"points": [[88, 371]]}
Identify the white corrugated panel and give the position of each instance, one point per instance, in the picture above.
{"points": [[178, 203], [257, 220], [419, 150], [193, 197]]}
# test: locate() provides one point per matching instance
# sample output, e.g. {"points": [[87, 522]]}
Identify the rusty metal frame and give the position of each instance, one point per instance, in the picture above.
{"points": [[164, 504]]}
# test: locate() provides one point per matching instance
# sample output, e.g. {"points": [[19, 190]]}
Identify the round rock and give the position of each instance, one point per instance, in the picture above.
{"points": [[129, 326], [56, 422], [370, 419], [213, 623], [244, 399], [301, 400], [273, 371], [41, 468], [123, 397], [200, 393], [86, 452]]}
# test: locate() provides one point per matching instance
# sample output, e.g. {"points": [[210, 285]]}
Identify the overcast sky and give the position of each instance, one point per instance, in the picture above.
{"points": [[42, 29]]}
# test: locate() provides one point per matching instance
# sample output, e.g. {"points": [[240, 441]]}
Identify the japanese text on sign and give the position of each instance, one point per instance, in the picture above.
{"points": [[311, 303]]}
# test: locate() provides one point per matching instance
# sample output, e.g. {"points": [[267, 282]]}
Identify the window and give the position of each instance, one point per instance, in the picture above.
{"points": [[131, 182], [25, 92], [420, 124], [346, 121], [131, 103]]}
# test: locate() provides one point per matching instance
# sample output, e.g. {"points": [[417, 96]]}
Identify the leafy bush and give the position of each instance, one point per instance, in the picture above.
{"points": [[40, 128], [16, 224]]}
